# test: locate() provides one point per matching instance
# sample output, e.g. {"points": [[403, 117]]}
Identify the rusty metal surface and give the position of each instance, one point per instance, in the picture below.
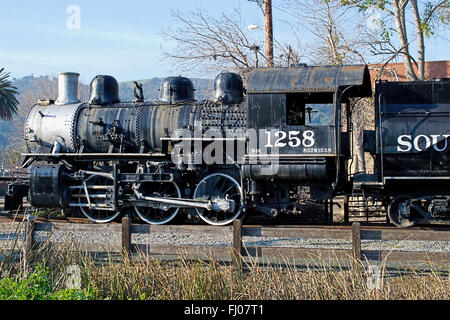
{"points": [[309, 79]]}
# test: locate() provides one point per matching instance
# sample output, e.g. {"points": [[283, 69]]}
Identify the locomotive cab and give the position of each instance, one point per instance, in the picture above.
{"points": [[300, 116]]}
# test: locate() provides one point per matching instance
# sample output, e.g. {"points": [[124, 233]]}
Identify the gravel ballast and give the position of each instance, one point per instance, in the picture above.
{"points": [[185, 239], [225, 239]]}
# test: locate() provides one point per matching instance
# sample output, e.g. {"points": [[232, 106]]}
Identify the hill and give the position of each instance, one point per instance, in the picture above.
{"points": [[204, 89]]}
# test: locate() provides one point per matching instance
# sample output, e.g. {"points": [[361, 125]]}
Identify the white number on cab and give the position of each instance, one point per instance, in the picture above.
{"points": [[293, 139]]}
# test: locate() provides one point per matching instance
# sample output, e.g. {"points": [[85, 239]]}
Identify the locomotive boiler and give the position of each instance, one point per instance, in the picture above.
{"points": [[105, 156]]}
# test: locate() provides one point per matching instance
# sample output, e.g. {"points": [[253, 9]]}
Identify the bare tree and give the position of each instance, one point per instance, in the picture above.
{"points": [[204, 42], [435, 13], [333, 35], [420, 40], [433, 16]]}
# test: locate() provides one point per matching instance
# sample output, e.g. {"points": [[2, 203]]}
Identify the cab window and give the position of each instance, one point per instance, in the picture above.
{"points": [[310, 109]]}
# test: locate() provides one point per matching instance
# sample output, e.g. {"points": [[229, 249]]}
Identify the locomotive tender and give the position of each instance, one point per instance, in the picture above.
{"points": [[283, 139], [412, 151]]}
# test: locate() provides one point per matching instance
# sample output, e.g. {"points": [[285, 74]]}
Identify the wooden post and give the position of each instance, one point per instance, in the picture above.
{"points": [[330, 212], [356, 240], [346, 210], [237, 245], [126, 236], [28, 241]]}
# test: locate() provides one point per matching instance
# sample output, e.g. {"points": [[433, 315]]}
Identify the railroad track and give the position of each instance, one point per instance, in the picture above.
{"points": [[322, 219], [334, 231], [7, 216], [291, 224]]}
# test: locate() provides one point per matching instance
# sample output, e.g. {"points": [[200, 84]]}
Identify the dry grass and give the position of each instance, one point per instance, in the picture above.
{"points": [[184, 279], [196, 279]]}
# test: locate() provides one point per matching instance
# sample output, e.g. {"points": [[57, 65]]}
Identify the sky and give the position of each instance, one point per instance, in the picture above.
{"points": [[119, 38]]}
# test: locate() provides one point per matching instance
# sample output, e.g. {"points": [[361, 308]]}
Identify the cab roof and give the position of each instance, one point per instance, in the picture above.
{"points": [[310, 79]]}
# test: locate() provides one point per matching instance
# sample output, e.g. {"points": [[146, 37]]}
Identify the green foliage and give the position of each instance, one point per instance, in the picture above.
{"points": [[363, 5], [426, 29], [434, 16], [47, 212], [39, 212], [37, 285], [8, 101]]}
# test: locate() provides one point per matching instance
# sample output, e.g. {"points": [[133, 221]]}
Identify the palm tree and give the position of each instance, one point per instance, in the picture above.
{"points": [[8, 101]]}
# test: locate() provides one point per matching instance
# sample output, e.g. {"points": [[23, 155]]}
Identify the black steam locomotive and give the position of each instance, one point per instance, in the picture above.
{"points": [[283, 139]]}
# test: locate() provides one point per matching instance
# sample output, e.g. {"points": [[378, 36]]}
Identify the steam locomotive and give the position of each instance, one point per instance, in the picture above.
{"points": [[283, 139]]}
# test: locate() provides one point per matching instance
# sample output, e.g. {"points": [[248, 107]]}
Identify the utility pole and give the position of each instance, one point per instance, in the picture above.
{"points": [[255, 49], [269, 32], [289, 56]]}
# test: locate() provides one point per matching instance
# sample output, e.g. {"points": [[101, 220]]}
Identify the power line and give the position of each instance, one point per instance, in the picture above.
{"points": [[443, 38], [287, 12], [437, 35]]}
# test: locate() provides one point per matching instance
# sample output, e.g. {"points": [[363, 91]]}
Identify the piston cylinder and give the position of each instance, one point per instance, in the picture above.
{"points": [[47, 187]]}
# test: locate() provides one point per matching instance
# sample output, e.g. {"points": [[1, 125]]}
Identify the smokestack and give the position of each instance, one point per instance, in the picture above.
{"points": [[67, 88]]}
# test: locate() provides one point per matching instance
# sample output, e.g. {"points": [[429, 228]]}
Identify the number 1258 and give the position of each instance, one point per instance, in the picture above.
{"points": [[291, 139]]}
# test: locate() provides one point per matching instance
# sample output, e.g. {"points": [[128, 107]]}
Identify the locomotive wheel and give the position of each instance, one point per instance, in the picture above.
{"points": [[402, 213], [158, 213], [219, 186], [97, 197]]}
